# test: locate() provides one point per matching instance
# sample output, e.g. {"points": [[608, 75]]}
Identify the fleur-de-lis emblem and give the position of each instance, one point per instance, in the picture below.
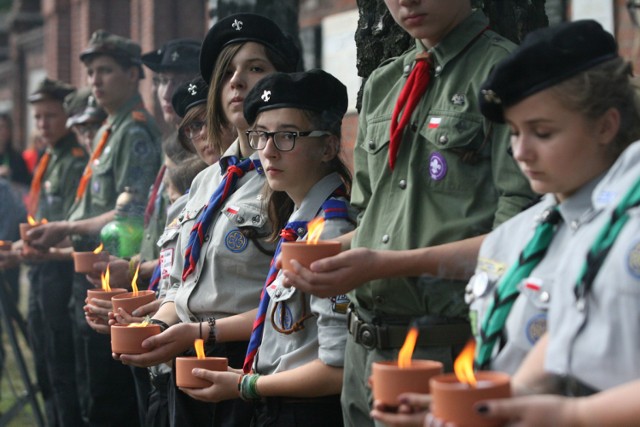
{"points": [[491, 96], [175, 56], [237, 25], [192, 89], [266, 95]]}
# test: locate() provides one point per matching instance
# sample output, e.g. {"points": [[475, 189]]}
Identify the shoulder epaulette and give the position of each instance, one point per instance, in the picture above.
{"points": [[335, 208], [77, 152], [138, 116]]}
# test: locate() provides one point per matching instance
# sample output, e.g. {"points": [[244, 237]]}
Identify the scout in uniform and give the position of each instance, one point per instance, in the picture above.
{"points": [[293, 368], [221, 265], [571, 119], [52, 194], [126, 154], [428, 187]]}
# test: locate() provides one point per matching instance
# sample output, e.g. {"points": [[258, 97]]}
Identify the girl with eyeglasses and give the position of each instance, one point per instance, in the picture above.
{"points": [[293, 368]]}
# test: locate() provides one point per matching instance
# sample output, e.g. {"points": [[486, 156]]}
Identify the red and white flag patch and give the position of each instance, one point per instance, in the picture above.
{"points": [[434, 122]]}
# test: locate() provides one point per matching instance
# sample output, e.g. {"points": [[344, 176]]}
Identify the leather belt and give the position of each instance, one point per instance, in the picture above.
{"points": [[384, 336]]}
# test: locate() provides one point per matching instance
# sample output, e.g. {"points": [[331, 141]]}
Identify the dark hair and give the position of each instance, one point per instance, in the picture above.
{"points": [[594, 91], [124, 62], [183, 173], [217, 122], [278, 203], [197, 112], [174, 150]]}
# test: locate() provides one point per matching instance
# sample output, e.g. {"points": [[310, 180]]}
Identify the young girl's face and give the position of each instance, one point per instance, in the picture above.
{"points": [[295, 171], [247, 67], [559, 150]]}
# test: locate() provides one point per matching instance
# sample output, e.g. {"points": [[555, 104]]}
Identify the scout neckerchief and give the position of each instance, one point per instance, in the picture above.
{"points": [[603, 243], [155, 278], [86, 175], [332, 208], [226, 188], [411, 93], [507, 290], [36, 183], [151, 204]]}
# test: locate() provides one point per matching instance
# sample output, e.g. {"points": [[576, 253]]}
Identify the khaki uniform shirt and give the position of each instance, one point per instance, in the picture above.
{"points": [[167, 243], [231, 269], [60, 179], [527, 321], [599, 343], [131, 158], [453, 178], [325, 334]]}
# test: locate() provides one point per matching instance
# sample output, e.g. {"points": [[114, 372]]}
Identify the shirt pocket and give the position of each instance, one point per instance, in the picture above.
{"points": [[103, 191], [528, 318], [458, 154], [169, 234], [376, 145]]}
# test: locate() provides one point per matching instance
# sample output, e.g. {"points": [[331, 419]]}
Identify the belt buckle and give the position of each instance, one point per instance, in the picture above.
{"points": [[367, 336]]}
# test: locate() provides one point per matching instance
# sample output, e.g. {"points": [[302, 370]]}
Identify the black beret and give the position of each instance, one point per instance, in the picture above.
{"points": [[188, 95], [546, 57], [314, 90], [51, 89], [180, 55], [244, 27]]}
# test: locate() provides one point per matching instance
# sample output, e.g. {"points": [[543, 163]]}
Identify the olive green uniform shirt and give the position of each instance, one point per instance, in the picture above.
{"points": [[60, 179], [453, 178], [131, 158]]}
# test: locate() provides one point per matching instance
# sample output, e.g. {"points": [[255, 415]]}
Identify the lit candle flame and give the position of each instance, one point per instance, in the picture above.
{"points": [[43, 221], [98, 249], [404, 356], [104, 277], [199, 346], [31, 220], [134, 282], [463, 366], [144, 322], [315, 227]]}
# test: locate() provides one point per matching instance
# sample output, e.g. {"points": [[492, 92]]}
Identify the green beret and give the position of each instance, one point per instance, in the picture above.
{"points": [[104, 43], [314, 90], [245, 27], [545, 58], [50, 89], [179, 55]]}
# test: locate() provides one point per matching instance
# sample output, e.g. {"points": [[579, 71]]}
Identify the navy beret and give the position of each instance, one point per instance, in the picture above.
{"points": [[244, 27], [546, 57], [188, 95], [180, 55], [314, 90]]}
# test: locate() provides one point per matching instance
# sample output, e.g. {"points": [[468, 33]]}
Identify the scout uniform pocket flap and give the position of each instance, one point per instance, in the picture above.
{"points": [[449, 129], [244, 215]]}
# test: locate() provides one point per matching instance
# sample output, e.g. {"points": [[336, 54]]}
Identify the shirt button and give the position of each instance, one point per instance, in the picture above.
{"points": [[414, 127], [545, 297], [402, 184], [443, 139], [385, 238], [438, 70], [379, 299], [239, 220], [407, 69], [575, 225], [372, 145]]}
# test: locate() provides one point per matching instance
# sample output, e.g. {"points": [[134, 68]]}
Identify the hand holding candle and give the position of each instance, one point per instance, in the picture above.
{"points": [[310, 250], [129, 301], [83, 261], [127, 339], [184, 366]]}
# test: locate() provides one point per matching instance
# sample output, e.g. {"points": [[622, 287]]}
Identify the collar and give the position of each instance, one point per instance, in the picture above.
{"points": [[579, 206], [312, 203], [620, 177], [63, 144], [456, 41], [134, 103], [234, 151]]}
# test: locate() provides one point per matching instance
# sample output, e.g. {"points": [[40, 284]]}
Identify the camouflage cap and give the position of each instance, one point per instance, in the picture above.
{"points": [[105, 43], [50, 89]]}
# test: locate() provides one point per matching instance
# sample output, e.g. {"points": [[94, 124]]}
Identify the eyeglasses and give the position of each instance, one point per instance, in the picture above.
{"points": [[193, 129], [283, 140], [633, 7]]}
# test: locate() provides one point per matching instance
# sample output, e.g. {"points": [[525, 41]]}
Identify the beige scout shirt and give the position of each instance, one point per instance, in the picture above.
{"points": [[231, 269]]}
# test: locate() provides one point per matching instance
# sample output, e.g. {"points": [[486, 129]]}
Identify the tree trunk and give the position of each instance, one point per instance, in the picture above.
{"points": [[378, 37]]}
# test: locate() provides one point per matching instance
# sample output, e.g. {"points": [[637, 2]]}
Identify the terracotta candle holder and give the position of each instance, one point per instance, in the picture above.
{"points": [[83, 261], [388, 380], [128, 339], [100, 293], [184, 366], [129, 302], [454, 401], [5, 245], [305, 254]]}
